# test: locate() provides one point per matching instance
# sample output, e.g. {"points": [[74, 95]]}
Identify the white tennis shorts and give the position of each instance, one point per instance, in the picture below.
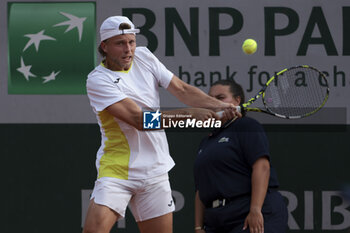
{"points": [[147, 198]]}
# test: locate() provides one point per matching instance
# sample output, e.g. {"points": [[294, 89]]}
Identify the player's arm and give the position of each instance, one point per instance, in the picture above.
{"points": [[260, 181], [193, 96], [198, 214], [128, 111]]}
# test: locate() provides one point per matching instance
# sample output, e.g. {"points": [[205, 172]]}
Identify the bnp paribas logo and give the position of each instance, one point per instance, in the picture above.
{"points": [[51, 47]]}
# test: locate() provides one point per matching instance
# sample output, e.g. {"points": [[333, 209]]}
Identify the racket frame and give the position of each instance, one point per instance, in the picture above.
{"points": [[244, 107]]}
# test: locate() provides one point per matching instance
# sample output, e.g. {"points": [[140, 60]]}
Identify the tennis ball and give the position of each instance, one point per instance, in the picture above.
{"points": [[249, 46]]}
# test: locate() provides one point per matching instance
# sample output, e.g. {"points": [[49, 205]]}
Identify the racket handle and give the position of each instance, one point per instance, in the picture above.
{"points": [[221, 113]]}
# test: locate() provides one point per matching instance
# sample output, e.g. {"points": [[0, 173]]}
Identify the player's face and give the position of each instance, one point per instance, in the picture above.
{"points": [[223, 93], [119, 51]]}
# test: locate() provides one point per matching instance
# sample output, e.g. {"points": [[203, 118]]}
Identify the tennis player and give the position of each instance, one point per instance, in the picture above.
{"points": [[236, 188], [133, 164]]}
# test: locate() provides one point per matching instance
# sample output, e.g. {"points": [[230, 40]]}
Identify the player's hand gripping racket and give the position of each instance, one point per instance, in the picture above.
{"points": [[292, 93]]}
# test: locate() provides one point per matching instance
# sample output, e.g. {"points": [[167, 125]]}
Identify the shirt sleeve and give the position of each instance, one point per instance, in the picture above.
{"points": [[103, 93], [253, 141], [160, 72]]}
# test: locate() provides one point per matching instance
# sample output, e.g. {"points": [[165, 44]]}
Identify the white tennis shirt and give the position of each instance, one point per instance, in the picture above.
{"points": [[125, 152]]}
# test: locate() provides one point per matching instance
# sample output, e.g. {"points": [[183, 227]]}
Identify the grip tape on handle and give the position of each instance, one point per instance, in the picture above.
{"points": [[221, 113]]}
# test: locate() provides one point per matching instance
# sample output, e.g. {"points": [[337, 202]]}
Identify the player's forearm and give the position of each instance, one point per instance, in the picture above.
{"points": [[195, 97], [260, 181], [128, 111]]}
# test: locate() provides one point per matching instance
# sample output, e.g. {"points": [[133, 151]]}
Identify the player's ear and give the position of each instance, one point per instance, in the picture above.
{"points": [[103, 46]]}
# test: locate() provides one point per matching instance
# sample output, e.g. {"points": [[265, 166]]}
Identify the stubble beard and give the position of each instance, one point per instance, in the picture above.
{"points": [[122, 65]]}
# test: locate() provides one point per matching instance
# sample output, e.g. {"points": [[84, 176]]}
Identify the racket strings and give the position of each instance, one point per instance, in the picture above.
{"points": [[296, 92]]}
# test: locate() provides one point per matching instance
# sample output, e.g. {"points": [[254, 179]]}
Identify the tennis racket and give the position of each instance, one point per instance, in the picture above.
{"points": [[292, 93]]}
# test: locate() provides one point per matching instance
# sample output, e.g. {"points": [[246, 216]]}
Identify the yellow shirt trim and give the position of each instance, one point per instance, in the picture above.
{"points": [[122, 71], [115, 160]]}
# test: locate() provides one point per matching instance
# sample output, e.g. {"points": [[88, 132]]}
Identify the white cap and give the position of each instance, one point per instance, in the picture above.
{"points": [[110, 27]]}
